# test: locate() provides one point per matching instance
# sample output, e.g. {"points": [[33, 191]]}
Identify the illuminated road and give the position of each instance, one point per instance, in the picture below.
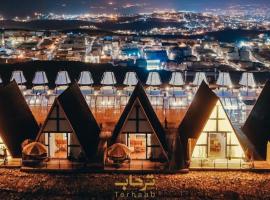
{"points": [[254, 59], [89, 47]]}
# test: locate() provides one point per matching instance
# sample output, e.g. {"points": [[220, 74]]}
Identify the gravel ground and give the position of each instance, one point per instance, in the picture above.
{"points": [[15, 184]]}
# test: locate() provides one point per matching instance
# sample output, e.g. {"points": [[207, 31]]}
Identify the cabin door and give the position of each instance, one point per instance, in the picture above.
{"points": [[137, 144], [217, 145], [58, 147]]}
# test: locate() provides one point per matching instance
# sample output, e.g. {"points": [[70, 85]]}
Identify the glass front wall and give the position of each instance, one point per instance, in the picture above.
{"points": [[137, 144], [143, 146], [57, 144], [62, 145], [218, 139], [137, 134], [3, 148], [217, 145]]}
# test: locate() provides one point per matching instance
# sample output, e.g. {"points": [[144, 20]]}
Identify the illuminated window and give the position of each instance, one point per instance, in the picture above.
{"points": [[138, 135], [58, 136], [2, 147], [218, 139]]}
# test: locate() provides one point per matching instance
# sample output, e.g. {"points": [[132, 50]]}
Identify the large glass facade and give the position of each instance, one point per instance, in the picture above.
{"points": [[138, 135], [2, 148], [218, 139], [58, 136], [62, 145], [143, 146]]}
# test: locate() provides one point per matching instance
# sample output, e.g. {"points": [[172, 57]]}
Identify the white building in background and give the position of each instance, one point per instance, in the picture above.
{"points": [[244, 54], [40, 78], [177, 79], [108, 78], [153, 64], [199, 77], [153, 89], [40, 82], [85, 78], [153, 79], [233, 55], [224, 80], [248, 90], [108, 81], [177, 96], [92, 59], [248, 80], [85, 82], [130, 82], [62, 78], [18, 76], [62, 81], [130, 79]]}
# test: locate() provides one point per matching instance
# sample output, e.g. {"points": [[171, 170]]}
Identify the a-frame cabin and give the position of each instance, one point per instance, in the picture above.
{"points": [[70, 130], [257, 125], [140, 129], [17, 121], [206, 133]]}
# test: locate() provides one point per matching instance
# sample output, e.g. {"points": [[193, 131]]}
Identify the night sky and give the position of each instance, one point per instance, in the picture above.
{"points": [[11, 8]]}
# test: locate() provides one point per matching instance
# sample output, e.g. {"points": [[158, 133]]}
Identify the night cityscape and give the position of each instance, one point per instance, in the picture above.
{"points": [[147, 99]]}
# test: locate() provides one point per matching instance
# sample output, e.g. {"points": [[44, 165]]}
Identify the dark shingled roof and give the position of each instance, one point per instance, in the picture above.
{"points": [[196, 118], [81, 119], [140, 94], [257, 125], [197, 115], [17, 120]]}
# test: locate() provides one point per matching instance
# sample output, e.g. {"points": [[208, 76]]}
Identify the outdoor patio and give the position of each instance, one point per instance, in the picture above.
{"points": [[220, 164], [11, 163], [138, 165]]}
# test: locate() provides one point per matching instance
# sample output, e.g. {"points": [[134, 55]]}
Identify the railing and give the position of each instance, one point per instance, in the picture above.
{"points": [[224, 164], [10, 162], [137, 165], [57, 164], [62, 164]]}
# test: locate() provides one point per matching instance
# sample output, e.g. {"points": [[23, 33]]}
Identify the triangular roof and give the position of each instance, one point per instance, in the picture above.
{"points": [[140, 95], [198, 115], [257, 125], [80, 118], [198, 112], [17, 120]]}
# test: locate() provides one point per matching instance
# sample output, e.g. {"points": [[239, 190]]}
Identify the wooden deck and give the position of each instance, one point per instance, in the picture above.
{"points": [[11, 163]]}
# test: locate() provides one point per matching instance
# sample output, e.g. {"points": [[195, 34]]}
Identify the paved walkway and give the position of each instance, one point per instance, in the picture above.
{"points": [[263, 165], [138, 165], [11, 163]]}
